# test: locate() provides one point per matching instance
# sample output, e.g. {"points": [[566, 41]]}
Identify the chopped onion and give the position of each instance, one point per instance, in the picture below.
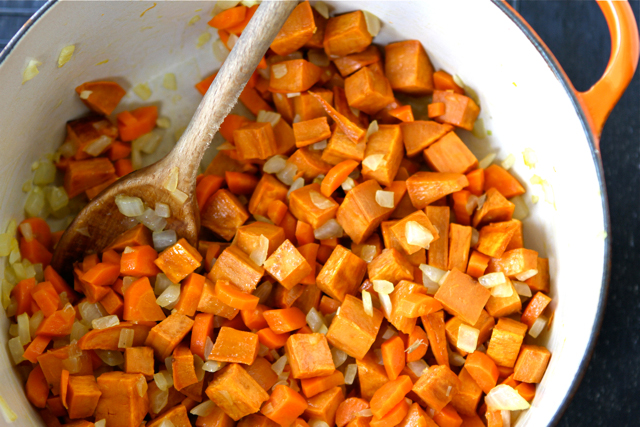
{"points": [[213, 366], [339, 356], [110, 357], [198, 363], [475, 236], [314, 319], [263, 350], [163, 379], [220, 51], [169, 80], [152, 220], [373, 128], [320, 201], [329, 230], [530, 158], [322, 8], [486, 161], [203, 409], [27, 231], [141, 385], [385, 198], [287, 174], [508, 162], [105, 322], [163, 122], [526, 274], [278, 71], [382, 286], [455, 359], [180, 196], [368, 252], [368, 304], [101, 423], [417, 234], [377, 353], [169, 296], [418, 367], [275, 164], [159, 401], [522, 288], [192, 21], [126, 338], [274, 354], [521, 211], [350, 373], [268, 117], [279, 365], [163, 210], [318, 57], [293, 94], [373, 161], [35, 203], [17, 350], [320, 145], [5, 244], [97, 146], [259, 253], [7, 413], [390, 332], [263, 291], [503, 290], [431, 277], [373, 23], [472, 204], [297, 184], [31, 71], [162, 283], [479, 131], [147, 143], [65, 55], [142, 90], [297, 118], [490, 280], [385, 302], [89, 312], [129, 206], [323, 330], [35, 321], [467, 338], [57, 198], [365, 413], [348, 184], [504, 397], [46, 172], [23, 328], [538, 326], [171, 184]]}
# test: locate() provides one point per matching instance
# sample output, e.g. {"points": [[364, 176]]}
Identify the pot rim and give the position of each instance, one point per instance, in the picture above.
{"points": [[592, 139]]}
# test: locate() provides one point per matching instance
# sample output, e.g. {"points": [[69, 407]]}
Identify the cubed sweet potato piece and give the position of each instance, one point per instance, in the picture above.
{"points": [[390, 265], [504, 306], [236, 392], [224, 214], [177, 416], [484, 324], [460, 110], [235, 346], [178, 260], [390, 241], [494, 238], [296, 31], [324, 406], [236, 266], [341, 274], [121, 404], [302, 206], [540, 282], [462, 296], [313, 386], [459, 244], [399, 231], [210, 303], [139, 360], [368, 91], [260, 370], [349, 64], [514, 262], [450, 154], [408, 68], [269, 188], [352, 329], [371, 376], [287, 265], [346, 34], [388, 143], [306, 107], [468, 396], [309, 163], [309, 356], [420, 134], [497, 177], [255, 140], [82, 396], [248, 236], [166, 335], [425, 188], [505, 342], [438, 253], [296, 75], [495, 209], [184, 373], [531, 364], [311, 131], [437, 386], [341, 147]]}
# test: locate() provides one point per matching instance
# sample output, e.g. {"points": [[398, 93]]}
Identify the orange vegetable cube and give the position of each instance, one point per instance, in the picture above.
{"points": [[437, 386], [236, 266], [235, 346], [346, 34], [224, 214], [462, 296], [417, 304], [140, 302], [296, 75], [420, 134], [255, 140], [450, 154], [179, 260], [389, 395], [211, 304], [307, 107], [484, 324], [108, 338], [311, 131], [342, 147], [402, 290], [166, 335], [82, 396], [287, 265], [483, 370], [285, 319], [393, 417], [514, 262], [177, 415], [341, 274], [351, 63], [352, 329], [494, 238], [234, 297], [504, 306], [235, 392], [368, 91], [302, 206], [408, 68], [309, 163], [284, 404], [500, 179], [425, 188], [438, 253], [477, 264], [139, 360], [45, 295], [495, 209], [535, 308], [184, 373], [260, 370], [540, 282], [324, 406], [269, 188], [460, 110], [315, 385], [309, 356], [459, 245], [296, 31], [371, 375], [120, 403], [390, 265], [393, 356], [531, 364], [505, 342], [399, 231], [388, 142]]}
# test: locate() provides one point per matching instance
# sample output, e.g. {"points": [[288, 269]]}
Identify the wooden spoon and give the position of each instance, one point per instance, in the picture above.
{"points": [[100, 222]]}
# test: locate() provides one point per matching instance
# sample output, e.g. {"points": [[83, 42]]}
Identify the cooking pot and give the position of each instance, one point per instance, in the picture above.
{"points": [[527, 101]]}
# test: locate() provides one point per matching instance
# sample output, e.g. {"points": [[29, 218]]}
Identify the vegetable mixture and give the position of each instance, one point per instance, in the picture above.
{"points": [[357, 265]]}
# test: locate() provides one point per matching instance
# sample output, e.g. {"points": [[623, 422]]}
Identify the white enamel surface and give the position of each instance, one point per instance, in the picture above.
{"points": [[523, 104]]}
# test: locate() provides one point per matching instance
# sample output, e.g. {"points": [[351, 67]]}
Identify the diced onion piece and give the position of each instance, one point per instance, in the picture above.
{"points": [[169, 296], [320, 201], [263, 350], [521, 211], [348, 184], [339, 356], [16, 349], [169, 80], [318, 57], [222, 5], [142, 90], [417, 234], [85, 94], [350, 373], [263, 291], [5, 244], [101, 423], [105, 322], [275, 164], [171, 184], [57, 198], [198, 363], [220, 51], [297, 118], [385, 302], [141, 386], [35, 321], [161, 381], [162, 283], [479, 131], [163, 210], [377, 353], [23, 328], [27, 231], [152, 220], [126, 338], [259, 253], [526, 274], [385, 198], [418, 367], [530, 158], [508, 162], [193, 20], [443, 278], [323, 330], [159, 401], [314, 319], [180, 196], [382, 286], [373, 23], [455, 359], [268, 117], [129, 206], [431, 277], [203, 409], [287, 174], [329, 230], [373, 128], [163, 122], [320, 145], [502, 290], [522, 288], [467, 338], [110, 357], [274, 354], [65, 55], [504, 397], [89, 311], [202, 39], [365, 413], [368, 252], [297, 184], [538, 326], [390, 332], [279, 365], [31, 71], [490, 280], [212, 366], [368, 304], [7, 413], [486, 161], [293, 94], [322, 8], [279, 70], [472, 204], [372, 161], [35, 202]]}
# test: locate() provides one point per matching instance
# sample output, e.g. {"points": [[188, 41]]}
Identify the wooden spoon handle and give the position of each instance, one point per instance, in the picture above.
{"points": [[223, 93]]}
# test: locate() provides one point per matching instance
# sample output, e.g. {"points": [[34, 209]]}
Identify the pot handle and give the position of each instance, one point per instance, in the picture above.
{"points": [[625, 50]]}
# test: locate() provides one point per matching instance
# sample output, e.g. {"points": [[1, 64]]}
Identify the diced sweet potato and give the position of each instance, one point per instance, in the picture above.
{"points": [[341, 147], [184, 373], [505, 342], [309, 163], [390, 265], [495, 209], [535, 308], [514, 262], [311, 131], [255, 140], [468, 396], [390, 241], [236, 266], [408, 68], [459, 244], [540, 282], [396, 318], [224, 214], [349, 64], [388, 143], [484, 324], [462, 296], [342, 273], [309, 356], [284, 405], [210, 303], [346, 34], [438, 253], [177, 416], [139, 360], [494, 238], [269, 188], [500, 179], [504, 306], [306, 107], [531, 364], [368, 91], [450, 154], [302, 206], [324, 406], [437, 386], [420, 134], [296, 31], [460, 110], [108, 338], [121, 404], [178, 260], [82, 396], [235, 346], [371, 376], [352, 329], [399, 231], [287, 265], [235, 392], [260, 370], [296, 75], [425, 188], [166, 335], [248, 236]]}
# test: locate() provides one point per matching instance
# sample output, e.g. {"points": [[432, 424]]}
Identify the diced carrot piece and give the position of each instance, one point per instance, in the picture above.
{"points": [[504, 306], [435, 328], [324, 406], [393, 356], [139, 261], [210, 303], [285, 320], [447, 417], [139, 235], [465, 402], [236, 392], [234, 297], [58, 324], [349, 128], [35, 252], [296, 75], [284, 404], [505, 342], [438, 253], [436, 109], [346, 34], [437, 386], [238, 28], [477, 264], [37, 388], [390, 265], [253, 101], [229, 18], [459, 245], [495, 209], [269, 188], [500, 179], [408, 68], [103, 96], [202, 329], [184, 373], [277, 211], [178, 260], [120, 403], [207, 187], [39, 229], [248, 236], [309, 356], [133, 124], [166, 335], [535, 308], [341, 147], [444, 81], [531, 364], [476, 182], [82, 396], [389, 395], [514, 262], [45, 295], [349, 409], [123, 167], [224, 214], [483, 370], [351, 63], [425, 188], [311, 131], [37, 346], [139, 360]]}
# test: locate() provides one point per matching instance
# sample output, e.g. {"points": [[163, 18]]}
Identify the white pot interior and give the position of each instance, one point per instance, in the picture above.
{"points": [[523, 105]]}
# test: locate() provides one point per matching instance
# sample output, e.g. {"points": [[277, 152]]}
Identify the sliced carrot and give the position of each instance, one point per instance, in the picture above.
{"points": [[483, 370], [50, 275], [316, 385], [206, 187], [37, 388], [103, 96], [229, 18], [139, 261], [349, 409], [35, 252], [133, 124], [240, 183], [36, 348], [45, 295], [276, 211], [285, 320], [389, 395], [40, 231], [202, 329], [234, 297], [271, 339], [393, 356], [284, 405], [238, 28], [393, 417], [123, 167], [102, 274], [203, 85], [336, 176]]}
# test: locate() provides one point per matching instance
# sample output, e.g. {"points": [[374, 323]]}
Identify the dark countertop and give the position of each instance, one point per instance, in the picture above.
{"points": [[577, 34]]}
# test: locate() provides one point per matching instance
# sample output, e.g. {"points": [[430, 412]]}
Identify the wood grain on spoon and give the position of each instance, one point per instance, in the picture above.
{"points": [[100, 222]]}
